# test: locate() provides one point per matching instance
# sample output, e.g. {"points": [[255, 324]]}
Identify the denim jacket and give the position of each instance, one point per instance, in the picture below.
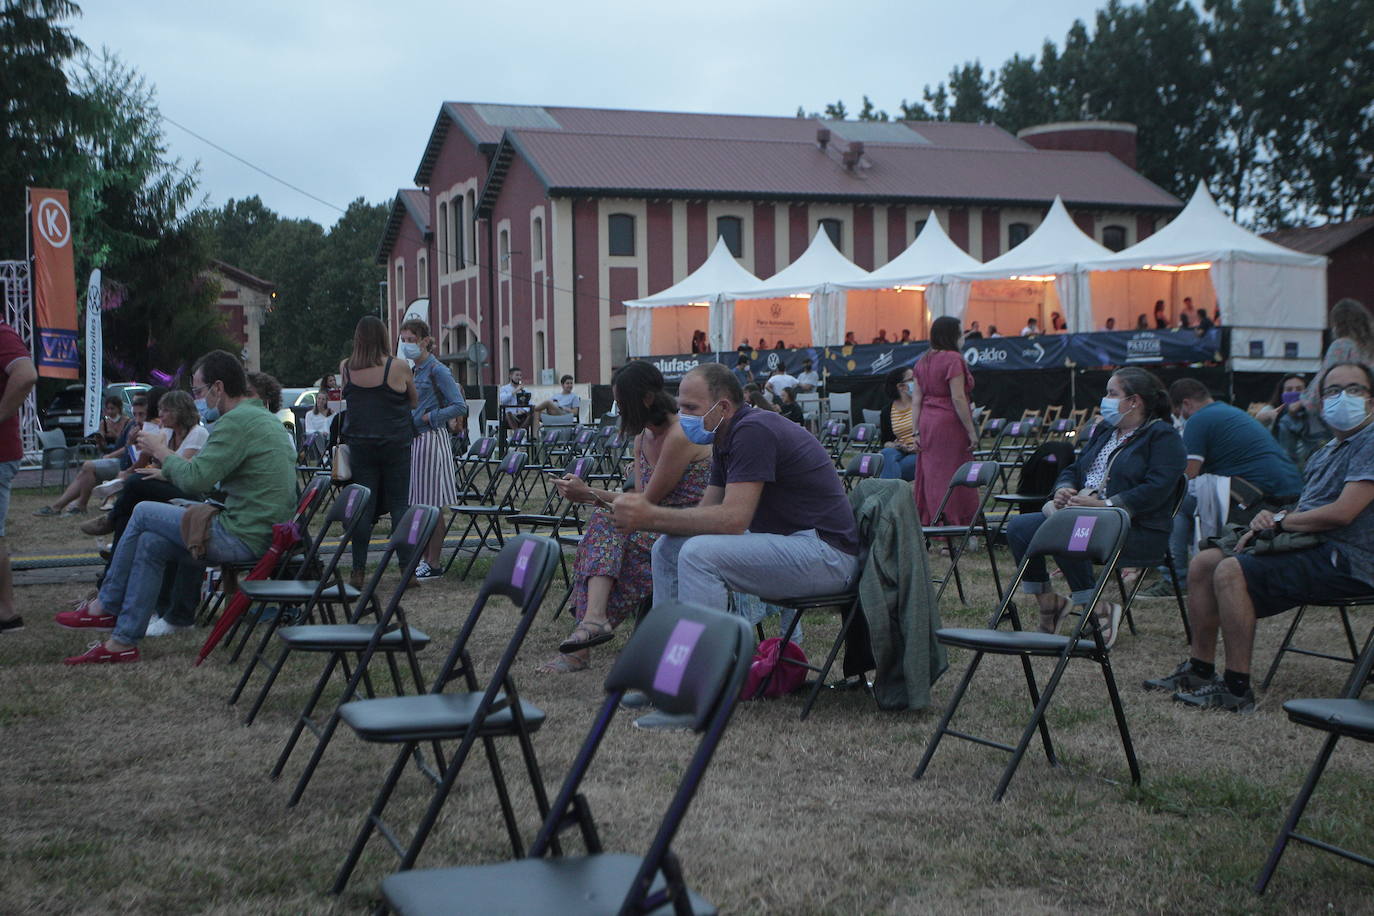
{"points": [[1142, 476], [434, 385]]}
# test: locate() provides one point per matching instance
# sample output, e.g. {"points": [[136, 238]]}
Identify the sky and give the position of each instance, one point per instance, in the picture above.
{"points": [[337, 97]]}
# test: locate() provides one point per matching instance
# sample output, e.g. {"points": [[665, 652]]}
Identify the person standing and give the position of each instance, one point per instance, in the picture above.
{"points": [[377, 428], [1352, 340], [944, 423], [17, 378], [438, 400]]}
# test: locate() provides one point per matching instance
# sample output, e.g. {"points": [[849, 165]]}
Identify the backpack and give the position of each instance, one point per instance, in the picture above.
{"points": [[1040, 471]]}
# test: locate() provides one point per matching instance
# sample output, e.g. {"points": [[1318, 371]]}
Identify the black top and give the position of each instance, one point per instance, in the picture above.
{"points": [[377, 413]]}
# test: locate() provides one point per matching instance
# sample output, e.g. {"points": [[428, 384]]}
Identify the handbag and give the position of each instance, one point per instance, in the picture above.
{"points": [[340, 465], [1267, 542]]}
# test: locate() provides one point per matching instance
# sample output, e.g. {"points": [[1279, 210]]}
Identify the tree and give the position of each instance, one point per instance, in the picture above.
{"points": [[972, 91], [871, 113]]}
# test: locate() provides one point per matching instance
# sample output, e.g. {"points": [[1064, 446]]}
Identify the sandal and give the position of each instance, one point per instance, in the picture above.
{"points": [[46, 511], [596, 634], [563, 664], [1050, 620]]}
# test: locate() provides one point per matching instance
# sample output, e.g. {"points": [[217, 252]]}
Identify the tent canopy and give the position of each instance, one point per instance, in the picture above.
{"points": [[719, 272], [1057, 246], [666, 321], [925, 260], [820, 264]]}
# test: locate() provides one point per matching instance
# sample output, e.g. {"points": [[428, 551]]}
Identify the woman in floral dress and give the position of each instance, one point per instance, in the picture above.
{"points": [[613, 569]]}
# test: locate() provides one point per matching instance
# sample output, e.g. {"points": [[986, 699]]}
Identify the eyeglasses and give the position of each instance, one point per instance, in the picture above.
{"points": [[1358, 390], [197, 391]]}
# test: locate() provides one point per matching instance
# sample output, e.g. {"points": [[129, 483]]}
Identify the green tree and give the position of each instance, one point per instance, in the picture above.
{"points": [[972, 91], [869, 112]]}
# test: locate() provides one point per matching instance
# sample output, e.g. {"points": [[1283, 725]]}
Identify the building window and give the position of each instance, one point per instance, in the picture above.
{"points": [[471, 247], [918, 228], [455, 257], [443, 237], [619, 355], [539, 352], [620, 234], [503, 251], [1114, 237], [537, 239], [731, 228], [1016, 234], [400, 286], [421, 276], [835, 229]]}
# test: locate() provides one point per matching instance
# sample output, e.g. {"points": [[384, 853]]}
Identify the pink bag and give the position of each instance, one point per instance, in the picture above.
{"points": [[785, 680]]}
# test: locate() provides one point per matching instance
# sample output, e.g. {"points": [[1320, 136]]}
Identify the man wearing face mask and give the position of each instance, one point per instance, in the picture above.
{"points": [[1229, 593], [774, 519]]}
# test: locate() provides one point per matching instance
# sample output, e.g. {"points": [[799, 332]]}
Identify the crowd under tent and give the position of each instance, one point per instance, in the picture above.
{"points": [[796, 305], [909, 291], [1273, 298], [667, 321], [1033, 280]]}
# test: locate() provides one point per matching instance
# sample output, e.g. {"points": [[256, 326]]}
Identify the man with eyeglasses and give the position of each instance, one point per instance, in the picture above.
{"points": [[1230, 591]]}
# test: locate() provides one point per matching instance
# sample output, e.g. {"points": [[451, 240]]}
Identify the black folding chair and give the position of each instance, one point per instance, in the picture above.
{"points": [[364, 640], [1094, 534], [688, 660], [469, 468], [1169, 562], [485, 519], [521, 572], [862, 467], [1347, 717], [1343, 607], [865, 438], [982, 476]]}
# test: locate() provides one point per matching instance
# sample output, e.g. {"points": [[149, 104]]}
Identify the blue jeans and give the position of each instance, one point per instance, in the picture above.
{"points": [[898, 464], [1078, 572], [1180, 540], [151, 544], [702, 569]]}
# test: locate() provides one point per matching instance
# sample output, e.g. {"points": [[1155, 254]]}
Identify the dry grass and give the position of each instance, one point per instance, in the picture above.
{"points": [[136, 788]]}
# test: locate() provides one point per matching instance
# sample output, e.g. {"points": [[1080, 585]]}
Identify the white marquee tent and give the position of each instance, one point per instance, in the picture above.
{"points": [[665, 321], [1273, 298], [795, 305]]}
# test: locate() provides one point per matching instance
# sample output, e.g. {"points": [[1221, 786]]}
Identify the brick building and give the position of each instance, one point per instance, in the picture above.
{"points": [[532, 225], [1349, 245], [243, 301]]}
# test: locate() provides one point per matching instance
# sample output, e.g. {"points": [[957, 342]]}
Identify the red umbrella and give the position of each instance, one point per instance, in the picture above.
{"points": [[285, 536]]}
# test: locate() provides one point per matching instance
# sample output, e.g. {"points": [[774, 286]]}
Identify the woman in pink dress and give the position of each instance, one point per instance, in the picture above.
{"points": [[944, 421]]}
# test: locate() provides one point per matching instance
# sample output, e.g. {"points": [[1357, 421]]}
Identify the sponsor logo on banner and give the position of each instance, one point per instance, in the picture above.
{"points": [[976, 356], [53, 285], [1036, 351], [775, 310], [1143, 348], [675, 367], [883, 362]]}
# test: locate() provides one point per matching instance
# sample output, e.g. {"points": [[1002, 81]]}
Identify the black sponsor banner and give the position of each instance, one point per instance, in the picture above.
{"points": [[1125, 348], [1046, 351]]}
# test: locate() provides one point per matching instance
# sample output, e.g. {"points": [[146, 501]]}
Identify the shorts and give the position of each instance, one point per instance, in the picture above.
{"points": [[7, 471], [105, 468], [1280, 582]]}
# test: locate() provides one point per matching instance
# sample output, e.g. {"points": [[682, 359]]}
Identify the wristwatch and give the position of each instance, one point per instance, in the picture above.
{"points": [[1109, 502], [1278, 520]]}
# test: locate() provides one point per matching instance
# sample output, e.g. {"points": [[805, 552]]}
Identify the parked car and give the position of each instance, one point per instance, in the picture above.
{"points": [[127, 391], [67, 412], [295, 403]]}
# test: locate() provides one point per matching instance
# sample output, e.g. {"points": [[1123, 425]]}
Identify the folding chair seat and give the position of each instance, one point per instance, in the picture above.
{"points": [[498, 502], [862, 467], [982, 475], [1097, 535], [470, 468], [522, 573], [1347, 717], [689, 660], [1342, 607]]}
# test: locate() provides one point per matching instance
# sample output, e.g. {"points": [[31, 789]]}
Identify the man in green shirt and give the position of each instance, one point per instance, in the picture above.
{"points": [[248, 456]]}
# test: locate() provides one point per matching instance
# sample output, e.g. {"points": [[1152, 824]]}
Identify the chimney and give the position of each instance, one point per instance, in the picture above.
{"points": [[853, 154], [823, 137]]}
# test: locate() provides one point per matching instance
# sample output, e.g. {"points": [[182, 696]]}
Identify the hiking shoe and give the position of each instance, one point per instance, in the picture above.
{"points": [[160, 626], [665, 722], [1216, 696], [13, 625], [425, 571], [97, 654], [101, 524], [80, 620], [1183, 680], [1161, 588]]}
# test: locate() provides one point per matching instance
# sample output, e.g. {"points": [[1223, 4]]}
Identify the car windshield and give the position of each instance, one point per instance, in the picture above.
{"points": [[68, 400]]}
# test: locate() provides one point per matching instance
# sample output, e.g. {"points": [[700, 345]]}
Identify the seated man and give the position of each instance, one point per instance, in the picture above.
{"points": [[1230, 592], [561, 404], [779, 381], [1228, 442], [774, 520], [248, 457], [807, 379], [513, 401]]}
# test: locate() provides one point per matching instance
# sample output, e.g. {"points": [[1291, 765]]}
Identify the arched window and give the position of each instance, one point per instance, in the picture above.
{"points": [[537, 239], [471, 247], [421, 276], [918, 228], [400, 297], [538, 352], [620, 234], [1016, 234], [455, 258], [835, 229], [503, 251], [731, 228], [443, 236], [1114, 237]]}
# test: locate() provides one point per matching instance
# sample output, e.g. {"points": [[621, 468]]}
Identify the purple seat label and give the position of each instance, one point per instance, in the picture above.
{"points": [[1016, 429], [973, 470], [860, 434], [522, 564], [579, 467], [863, 464], [673, 665], [485, 447], [352, 501], [1082, 533], [414, 535]]}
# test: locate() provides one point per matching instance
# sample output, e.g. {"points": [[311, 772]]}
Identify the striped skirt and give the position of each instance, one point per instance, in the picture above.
{"points": [[432, 480]]}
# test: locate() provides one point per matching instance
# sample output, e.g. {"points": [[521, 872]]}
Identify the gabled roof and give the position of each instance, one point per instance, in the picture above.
{"points": [[926, 259], [409, 204], [819, 264], [240, 276], [719, 272], [1056, 246], [1321, 239]]}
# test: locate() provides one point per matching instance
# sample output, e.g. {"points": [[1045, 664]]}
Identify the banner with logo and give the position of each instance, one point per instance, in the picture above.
{"points": [[1126, 348], [95, 355], [54, 284]]}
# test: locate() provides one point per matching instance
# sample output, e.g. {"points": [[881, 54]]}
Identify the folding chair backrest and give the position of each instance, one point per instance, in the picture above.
{"points": [[312, 497], [52, 438], [518, 436], [347, 511], [1093, 534], [482, 449], [994, 426], [869, 464], [513, 463], [586, 439], [410, 534], [977, 474], [566, 419], [580, 466], [522, 570], [864, 435]]}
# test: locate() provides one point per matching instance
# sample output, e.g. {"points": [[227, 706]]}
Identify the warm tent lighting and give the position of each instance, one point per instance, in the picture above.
{"points": [[1177, 268], [910, 289], [1048, 278], [799, 296]]}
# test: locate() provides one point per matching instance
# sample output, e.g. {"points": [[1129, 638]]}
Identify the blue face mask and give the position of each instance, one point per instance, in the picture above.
{"points": [[1111, 411], [911, 388], [694, 428], [410, 350], [1344, 411]]}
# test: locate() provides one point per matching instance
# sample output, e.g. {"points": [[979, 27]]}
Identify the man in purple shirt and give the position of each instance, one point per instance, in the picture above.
{"points": [[774, 520]]}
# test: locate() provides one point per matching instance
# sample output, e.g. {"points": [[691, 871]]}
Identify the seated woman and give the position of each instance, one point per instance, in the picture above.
{"points": [[110, 466], [185, 436], [112, 424], [613, 568], [1299, 430], [317, 423], [1134, 461], [789, 407], [895, 426]]}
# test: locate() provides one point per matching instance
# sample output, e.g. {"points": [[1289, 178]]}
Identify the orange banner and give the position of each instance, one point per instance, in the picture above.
{"points": [[54, 284]]}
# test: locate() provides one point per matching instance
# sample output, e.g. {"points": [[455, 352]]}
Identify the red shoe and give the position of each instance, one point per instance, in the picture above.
{"points": [[80, 620], [97, 654]]}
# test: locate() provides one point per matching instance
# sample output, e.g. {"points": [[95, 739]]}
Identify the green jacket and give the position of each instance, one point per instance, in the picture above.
{"points": [[250, 457]]}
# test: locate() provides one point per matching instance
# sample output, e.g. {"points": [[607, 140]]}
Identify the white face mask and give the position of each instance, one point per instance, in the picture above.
{"points": [[1344, 411]]}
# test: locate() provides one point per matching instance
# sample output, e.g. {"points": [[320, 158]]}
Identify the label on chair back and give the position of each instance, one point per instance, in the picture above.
{"points": [[522, 564], [974, 469], [484, 447], [352, 500], [580, 467], [860, 434], [1082, 533], [863, 464], [414, 534], [1016, 429], [673, 665]]}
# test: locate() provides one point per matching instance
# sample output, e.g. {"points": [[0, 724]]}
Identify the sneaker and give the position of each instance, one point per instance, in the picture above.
{"points": [[1109, 622], [425, 571], [46, 511], [13, 625], [97, 654], [636, 699], [1161, 588], [80, 620], [160, 626], [1183, 680], [1216, 696], [665, 722], [101, 524]]}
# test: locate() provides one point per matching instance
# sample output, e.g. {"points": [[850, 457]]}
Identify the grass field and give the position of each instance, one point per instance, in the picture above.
{"points": [[136, 789]]}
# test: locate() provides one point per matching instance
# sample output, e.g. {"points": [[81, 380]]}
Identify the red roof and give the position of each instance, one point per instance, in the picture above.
{"points": [[1322, 239], [409, 203]]}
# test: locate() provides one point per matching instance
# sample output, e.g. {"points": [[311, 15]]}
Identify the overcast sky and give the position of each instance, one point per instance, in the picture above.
{"points": [[338, 97]]}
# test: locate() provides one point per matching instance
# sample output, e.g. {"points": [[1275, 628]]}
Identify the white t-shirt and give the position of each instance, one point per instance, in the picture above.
{"points": [[1028, 331], [809, 378], [317, 423], [568, 401], [777, 383], [194, 441]]}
